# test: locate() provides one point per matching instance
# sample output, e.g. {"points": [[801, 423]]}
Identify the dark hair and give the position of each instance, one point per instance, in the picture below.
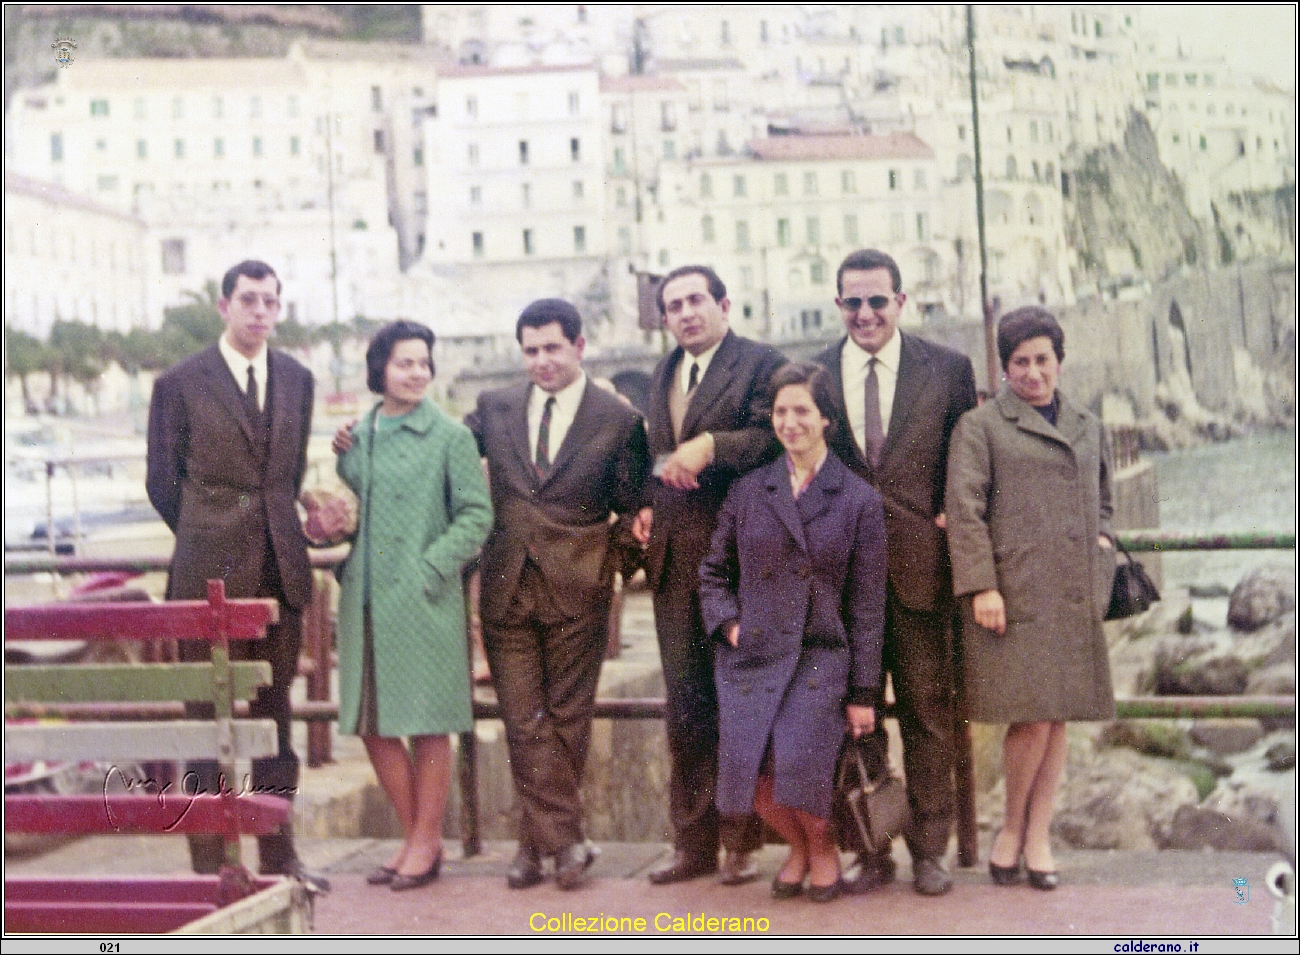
{"points": [[864, 260], [254, 269], [818, 382], [381, 348], [543, 312], [716, 288], [1022, 324]]}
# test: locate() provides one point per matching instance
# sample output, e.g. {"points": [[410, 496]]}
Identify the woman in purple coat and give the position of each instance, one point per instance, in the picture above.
{"points": [[793, 589]]}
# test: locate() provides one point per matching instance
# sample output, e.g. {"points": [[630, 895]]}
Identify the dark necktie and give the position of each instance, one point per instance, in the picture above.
{"points": [[873, 429], [250, 396], [694, 378], [543, 460]]}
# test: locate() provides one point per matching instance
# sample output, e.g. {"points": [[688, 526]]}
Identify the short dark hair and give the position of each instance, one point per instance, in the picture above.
{"points": [[1022, 324], [381, 348], [864, 260], [716, 288], [543, 312], [254, 269], [818, 382]]}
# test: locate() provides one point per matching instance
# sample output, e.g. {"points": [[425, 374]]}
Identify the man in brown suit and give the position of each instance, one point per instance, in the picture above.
{"points": [[903, 396], [565, 457], [708, 425], [228, 430]]}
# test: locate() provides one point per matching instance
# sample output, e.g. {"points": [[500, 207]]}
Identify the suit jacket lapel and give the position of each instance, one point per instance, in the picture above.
{"points": [[781, 499], [913, 373], [517, 428], [847, 446], [584, 426], [660, 417], [1068, 421], [225, 389], [712, 385], [279, 403], [824, 489]]}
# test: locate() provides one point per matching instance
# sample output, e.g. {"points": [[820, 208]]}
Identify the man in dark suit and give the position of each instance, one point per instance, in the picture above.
{"points": [[903, 396], [565, 458], [708, 425], [228, 432]]}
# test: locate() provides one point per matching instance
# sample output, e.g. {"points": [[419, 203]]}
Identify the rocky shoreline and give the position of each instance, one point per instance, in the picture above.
{"points": [[1191, 784]]}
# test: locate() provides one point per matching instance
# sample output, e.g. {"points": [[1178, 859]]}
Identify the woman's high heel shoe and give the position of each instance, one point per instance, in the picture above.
{"points": [[1004, 874], [1045, 881], [401, 882]]}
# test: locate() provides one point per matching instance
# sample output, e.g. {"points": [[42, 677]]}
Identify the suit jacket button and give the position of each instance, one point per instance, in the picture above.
{"points": [[802, 572], [244, 500]]}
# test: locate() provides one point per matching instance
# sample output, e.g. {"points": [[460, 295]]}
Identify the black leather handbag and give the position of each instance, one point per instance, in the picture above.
{"points": [[869, 809], [1133, 591]]}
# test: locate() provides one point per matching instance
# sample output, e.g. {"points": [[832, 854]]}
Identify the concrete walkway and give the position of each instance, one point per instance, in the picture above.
{"points": [[1122, 894]]}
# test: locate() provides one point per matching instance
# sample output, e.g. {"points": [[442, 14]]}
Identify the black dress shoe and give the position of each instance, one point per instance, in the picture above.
{"points": [[571, 864], [738, 868], [403, 883], [683, 866], [1004, 874], [1046, 881], [929, 877], [825, 893], [381, 875], [786, 890], [870, 873], [526, 870]]}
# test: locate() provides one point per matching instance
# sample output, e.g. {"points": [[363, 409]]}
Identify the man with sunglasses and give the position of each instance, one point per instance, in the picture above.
{"points": [[903, 396]]}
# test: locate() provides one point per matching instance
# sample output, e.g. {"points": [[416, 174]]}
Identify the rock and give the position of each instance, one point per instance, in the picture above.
{"points": [[1281, 756], [1196, 827], [1195, 668], [1152, 737], [1226, 736], [1278, 680], [1120, 800], [1262, 596]]}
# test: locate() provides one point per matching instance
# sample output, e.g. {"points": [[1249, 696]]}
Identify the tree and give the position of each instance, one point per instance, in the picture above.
{"points": [[24, 354], [192, 327], [76, 350]]}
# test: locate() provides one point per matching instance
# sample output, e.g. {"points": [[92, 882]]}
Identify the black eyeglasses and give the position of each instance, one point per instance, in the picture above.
{"points": [[854, 304]]}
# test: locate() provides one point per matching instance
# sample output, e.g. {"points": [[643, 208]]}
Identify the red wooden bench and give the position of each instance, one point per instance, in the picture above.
{"points": [[128, 804]]}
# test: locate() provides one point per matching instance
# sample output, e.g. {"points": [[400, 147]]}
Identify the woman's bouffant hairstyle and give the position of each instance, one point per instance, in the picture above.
{"points": [[1022, 324], [381, 348], [818, 382]]}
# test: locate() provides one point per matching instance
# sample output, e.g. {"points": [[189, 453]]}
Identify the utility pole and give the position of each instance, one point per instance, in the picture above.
{"points": [[990, 336]]}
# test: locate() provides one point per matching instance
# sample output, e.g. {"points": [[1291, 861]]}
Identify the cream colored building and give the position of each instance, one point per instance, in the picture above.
{"points": [[775, 225], [70, 257]]}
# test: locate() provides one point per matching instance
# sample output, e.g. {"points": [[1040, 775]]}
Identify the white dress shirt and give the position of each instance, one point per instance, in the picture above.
{"points": [[853, 367], [239, 366], [702, 360], [567, 400]]}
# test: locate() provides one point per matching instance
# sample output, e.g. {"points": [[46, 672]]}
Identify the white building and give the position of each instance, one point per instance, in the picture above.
{"points": [[288, 160], [69, 257], [776, 224]]}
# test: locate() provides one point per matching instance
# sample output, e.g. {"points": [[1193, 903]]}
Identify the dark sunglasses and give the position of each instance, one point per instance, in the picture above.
{"points": [[855, 303]]}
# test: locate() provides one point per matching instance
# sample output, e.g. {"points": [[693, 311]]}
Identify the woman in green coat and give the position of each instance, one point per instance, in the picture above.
{"points": [[403, 667]]}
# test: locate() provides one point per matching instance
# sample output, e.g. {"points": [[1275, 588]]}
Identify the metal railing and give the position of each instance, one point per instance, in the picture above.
{"points": [[318, 710]]}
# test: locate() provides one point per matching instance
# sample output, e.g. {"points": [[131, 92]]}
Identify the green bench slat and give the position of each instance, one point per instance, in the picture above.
{"points": [[171, 741], [128, 682]]}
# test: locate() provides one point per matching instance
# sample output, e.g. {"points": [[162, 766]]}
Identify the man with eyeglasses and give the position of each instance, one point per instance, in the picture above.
{"points": [[227, 451], [903, 396]]}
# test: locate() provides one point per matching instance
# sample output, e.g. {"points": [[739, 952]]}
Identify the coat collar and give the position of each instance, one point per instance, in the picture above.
{"points": [[226, 390], [1069, 420], [913, 374], [585, 424], [820, 495]]}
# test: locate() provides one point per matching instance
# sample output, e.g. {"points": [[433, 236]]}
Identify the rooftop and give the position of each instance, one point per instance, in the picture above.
{"points": [[795, 148], [57, 195]]}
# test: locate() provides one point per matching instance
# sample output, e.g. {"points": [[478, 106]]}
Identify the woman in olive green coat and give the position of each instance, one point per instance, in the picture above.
{"points": [[403, 664], [1028, 511]]}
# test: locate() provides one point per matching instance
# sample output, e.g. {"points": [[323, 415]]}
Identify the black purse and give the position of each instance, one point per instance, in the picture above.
{"points": [[869, 808], [1133, 591]]}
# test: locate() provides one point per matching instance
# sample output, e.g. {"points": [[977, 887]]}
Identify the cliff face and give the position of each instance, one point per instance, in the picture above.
{"points": [[1126, 217]]}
